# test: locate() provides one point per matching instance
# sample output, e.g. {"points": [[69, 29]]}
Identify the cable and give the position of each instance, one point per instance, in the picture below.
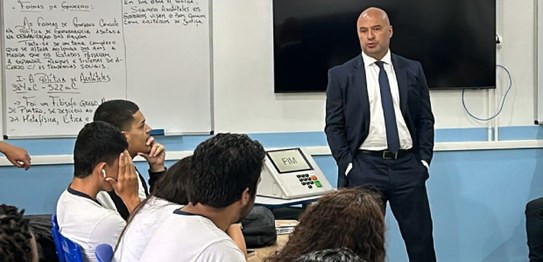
{"points": [[502, 100]]}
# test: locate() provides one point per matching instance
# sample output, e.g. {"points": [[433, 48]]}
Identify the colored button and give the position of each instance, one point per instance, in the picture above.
{"points": [[313, 177], [317, 183]]}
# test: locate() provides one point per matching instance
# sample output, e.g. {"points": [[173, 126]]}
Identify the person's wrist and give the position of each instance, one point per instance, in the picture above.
{"points": [[131, 201], [157, 168]]}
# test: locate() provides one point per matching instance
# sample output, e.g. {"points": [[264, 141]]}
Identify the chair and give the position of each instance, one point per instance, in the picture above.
{"points": [[104, 252], [67, 250]]}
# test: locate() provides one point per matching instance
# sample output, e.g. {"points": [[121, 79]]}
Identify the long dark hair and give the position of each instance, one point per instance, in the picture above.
{"points": [[350, 218]]}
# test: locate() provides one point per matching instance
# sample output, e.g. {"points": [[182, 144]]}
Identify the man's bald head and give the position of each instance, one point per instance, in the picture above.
{"points": [[374, 32]]}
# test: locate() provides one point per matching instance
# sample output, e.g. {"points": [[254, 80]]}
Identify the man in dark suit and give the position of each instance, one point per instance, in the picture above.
{"points": [[380, 129], [534, 229]]}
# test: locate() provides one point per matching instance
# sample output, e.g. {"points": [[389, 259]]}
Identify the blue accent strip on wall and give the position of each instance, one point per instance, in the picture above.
{"points": [[63, 146]]}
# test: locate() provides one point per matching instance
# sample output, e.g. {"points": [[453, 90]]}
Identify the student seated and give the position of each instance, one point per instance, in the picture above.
{"points": [[126, 116], [221, 189], [168, 195], [101, 163], [331, 255], [17, 242], [350, 218]]}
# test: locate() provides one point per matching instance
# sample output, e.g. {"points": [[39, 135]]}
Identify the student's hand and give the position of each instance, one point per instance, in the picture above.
{"points": [[16, 155], [156, 155], [126, 185]]}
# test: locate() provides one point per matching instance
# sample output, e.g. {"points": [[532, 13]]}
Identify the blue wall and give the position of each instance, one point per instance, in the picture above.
{"points": [[477, 197]]}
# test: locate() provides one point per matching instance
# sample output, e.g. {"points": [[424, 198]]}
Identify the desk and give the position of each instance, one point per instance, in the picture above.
{"points": [[271, 202], [285, 208], [263, 252]]}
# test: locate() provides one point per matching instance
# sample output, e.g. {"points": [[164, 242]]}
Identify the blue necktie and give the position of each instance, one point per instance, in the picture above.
{"points": [[393, 141]]}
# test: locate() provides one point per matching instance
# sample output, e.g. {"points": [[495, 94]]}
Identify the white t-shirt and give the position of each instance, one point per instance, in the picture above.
{"points": [[190, 238], [85, 222], [142, 227]]}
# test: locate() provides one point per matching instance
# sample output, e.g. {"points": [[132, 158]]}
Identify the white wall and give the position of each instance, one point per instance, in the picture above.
{"points": [[243, 75], [243, 78]]}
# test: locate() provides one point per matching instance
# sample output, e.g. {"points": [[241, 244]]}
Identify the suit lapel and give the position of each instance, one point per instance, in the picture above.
{"points": [[360, 77], [401, 77]]}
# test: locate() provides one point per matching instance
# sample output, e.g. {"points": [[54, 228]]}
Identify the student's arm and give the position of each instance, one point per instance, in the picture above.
{"points": [[153, 178], [126, 185], [16, 155], [155, 158], [234, 231]]}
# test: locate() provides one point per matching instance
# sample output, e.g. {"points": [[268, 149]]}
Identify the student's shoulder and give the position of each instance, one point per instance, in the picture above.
{"points": [[72, 202]]}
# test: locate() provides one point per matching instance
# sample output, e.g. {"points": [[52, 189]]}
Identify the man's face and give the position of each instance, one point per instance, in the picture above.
{"points": [[374, 33], [137, 135], [244, 211]]}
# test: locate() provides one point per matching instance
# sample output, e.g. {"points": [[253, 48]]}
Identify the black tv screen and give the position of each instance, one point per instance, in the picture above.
{"points": [[455, 40]]}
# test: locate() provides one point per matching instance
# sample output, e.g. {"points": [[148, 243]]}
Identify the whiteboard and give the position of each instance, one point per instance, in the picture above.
{"points": [[61, 59]]}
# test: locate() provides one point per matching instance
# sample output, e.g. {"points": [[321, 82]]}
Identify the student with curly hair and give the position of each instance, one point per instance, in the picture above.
{"points": [[17, 243], [331, 255], [350, 218]]}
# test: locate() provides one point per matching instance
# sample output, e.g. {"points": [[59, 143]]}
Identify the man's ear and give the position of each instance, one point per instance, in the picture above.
{"points": [[127, 136], [98, 168], [245, 197]]}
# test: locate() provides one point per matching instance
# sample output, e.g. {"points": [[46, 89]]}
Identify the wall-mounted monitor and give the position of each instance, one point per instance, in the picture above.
{"points": [[455, 40]]}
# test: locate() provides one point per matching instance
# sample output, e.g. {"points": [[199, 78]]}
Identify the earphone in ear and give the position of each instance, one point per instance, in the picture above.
{"points": [[104, 173]]}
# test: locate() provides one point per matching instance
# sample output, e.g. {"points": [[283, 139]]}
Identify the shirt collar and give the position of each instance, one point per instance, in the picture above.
{"points": [[368, 60], [81, 194]]}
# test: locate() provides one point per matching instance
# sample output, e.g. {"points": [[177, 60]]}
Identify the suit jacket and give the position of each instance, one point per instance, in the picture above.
{"points": [[348, 111]]}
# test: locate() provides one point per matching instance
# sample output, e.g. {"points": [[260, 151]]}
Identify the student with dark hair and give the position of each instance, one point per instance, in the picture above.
{"points": [[127, 117], [221, 189], [331, 255], [101, 163], [17, 243], [16, 155], [167, 196], [348, 218]]}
